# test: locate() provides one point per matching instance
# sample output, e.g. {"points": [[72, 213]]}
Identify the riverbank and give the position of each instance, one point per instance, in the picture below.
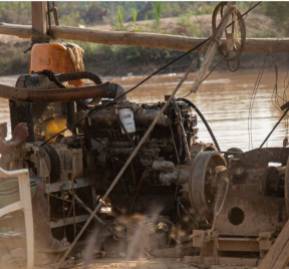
{"points": [[122, 60]]}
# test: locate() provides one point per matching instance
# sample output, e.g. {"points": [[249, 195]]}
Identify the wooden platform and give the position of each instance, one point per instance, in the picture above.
{"points": [[187, 263]]}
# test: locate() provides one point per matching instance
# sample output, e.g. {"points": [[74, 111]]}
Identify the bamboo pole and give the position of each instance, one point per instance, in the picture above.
{"points": [[147, 40]]}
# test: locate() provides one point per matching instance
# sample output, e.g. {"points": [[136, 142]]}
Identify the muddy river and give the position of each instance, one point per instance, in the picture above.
{"points": [[224, 98]]}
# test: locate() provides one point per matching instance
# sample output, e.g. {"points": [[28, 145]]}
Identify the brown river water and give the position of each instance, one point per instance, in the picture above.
{"points": [[224, 98]]}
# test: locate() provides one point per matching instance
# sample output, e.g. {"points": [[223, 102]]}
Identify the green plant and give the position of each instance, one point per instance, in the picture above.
{"points": [[120, 18], [157, 10], [278, 11], [134, 14], [188, 27]]}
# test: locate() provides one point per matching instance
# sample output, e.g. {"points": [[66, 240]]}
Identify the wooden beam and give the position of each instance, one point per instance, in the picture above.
{"points": [[147, 40], [22, 31], [39, 20], [278, 255], [142, 39]]}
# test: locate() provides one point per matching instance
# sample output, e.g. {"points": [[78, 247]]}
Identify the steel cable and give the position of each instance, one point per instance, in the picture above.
{"points": [[252, 100]]}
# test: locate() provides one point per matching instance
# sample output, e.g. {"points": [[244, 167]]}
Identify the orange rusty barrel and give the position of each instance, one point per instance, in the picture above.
{"points": [[58, 58]]}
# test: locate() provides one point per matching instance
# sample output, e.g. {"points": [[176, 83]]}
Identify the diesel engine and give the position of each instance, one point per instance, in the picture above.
{"points": [[79, 164], [179, 192]]}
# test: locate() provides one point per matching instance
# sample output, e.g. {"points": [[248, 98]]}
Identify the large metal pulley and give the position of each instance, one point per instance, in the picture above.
{"points": [[235, 35], [208, 184]]}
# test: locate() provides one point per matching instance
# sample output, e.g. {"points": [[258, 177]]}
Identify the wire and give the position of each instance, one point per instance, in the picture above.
{"points": [[163, 68], [252, 100], [277, 99], [210, 131], [275, 126]]}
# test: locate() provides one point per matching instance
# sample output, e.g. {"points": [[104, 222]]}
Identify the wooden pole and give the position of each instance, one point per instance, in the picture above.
{"points": [[39, 21], [147, 40]]}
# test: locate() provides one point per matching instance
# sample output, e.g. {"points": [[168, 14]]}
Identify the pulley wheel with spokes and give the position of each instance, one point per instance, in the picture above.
{"points": [[235, 34]]}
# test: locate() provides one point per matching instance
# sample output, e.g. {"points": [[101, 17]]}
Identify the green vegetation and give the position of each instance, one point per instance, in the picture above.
{"points": [[134, 14], [99, 59], [119, 24], [278, 11], [13, 59], [157, 10], [185, 18], [188, 27]]}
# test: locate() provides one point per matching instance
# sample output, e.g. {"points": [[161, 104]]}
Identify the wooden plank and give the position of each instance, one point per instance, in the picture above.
{"points": [[25, 204], [278, 255], [10, 208], [146, 40], [25, 196], [224, 261], [238, 244]]}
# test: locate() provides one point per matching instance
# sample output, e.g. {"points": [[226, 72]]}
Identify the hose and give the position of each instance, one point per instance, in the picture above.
{"points": [[200, 114], [79, 75]]}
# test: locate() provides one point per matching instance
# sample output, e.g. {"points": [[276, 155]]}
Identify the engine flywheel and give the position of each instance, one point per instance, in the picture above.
{"points": [[208, 184]]}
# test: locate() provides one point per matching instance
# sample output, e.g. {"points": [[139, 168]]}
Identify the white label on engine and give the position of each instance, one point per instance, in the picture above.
{"points": [[126, 117]]}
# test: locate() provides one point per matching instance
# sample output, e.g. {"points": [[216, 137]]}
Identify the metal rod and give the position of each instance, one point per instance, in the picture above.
{"points": [[87, 208]]}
